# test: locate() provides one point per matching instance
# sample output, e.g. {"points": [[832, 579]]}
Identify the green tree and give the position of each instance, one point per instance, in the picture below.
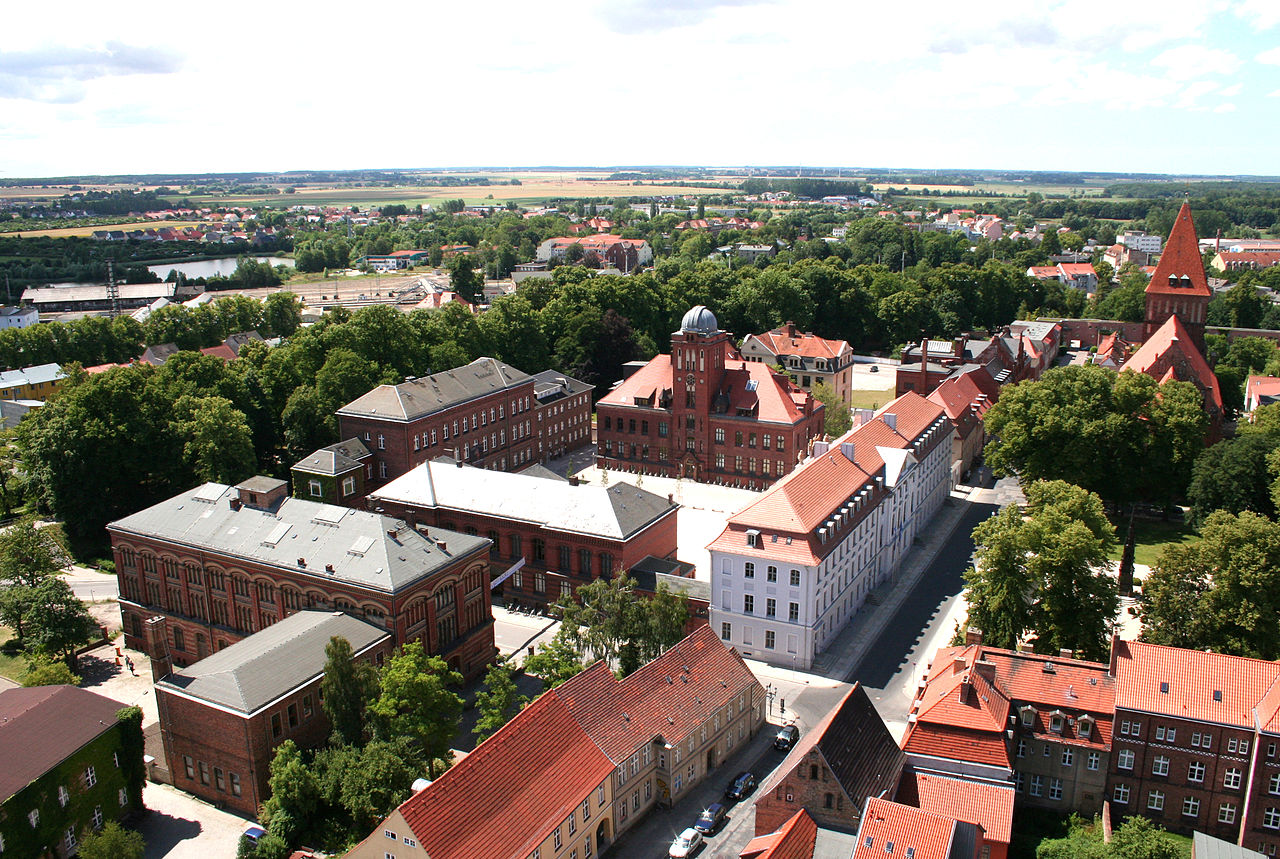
{"points": [[1233, 475], [281, 314], [379, 781], [498, 702], [1221, 592], [464, 279], [416, 701], [57, 621], [218, 444], [28, 557], [555, 661], [838, 420], [41, 672], [113, 841], [295, 795], [608, 620], [346, 689], [1046, 573]]}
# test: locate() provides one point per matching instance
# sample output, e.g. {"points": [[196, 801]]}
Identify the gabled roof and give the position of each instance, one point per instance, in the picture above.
{"points": [[275, 661], [335, 459], [670, 697], [801, 344], [927, 835], [1173, 681], [42, 726], [1173, 336], [498, 800], [856, 745], [1181, 259], [793, 840], [615, 512], [960, 714], [434, 393], [987, 804]]}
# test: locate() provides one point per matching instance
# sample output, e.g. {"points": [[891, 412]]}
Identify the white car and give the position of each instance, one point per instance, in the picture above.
{"points": [[686, 844]]}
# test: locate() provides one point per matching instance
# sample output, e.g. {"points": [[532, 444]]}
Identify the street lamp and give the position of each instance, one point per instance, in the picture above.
{"points": [[769, 692]]}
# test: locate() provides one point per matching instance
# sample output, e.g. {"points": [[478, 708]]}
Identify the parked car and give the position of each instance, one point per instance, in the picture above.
{"points": [[786, 738], [711, 819], [875, 368], [253, 832], [686, 844], [741, 786]]}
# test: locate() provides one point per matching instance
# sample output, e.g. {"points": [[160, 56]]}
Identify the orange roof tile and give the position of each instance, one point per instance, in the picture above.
{"points": [[984, 803], [802, 344], [794, 840], [1181, 258], [1173, 336], [931, 835], [1172, 681], [497, 800]]}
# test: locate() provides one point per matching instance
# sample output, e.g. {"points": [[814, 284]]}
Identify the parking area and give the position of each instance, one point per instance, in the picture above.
{"points": [[179, 826], [864, 378]]}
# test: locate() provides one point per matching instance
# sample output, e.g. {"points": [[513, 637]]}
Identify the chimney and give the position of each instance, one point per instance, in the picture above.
{"points": [[972, 635], [958, 344], [235, 503], [924, 367], [891, 420], [818, 448], [986, 669], [847, 449], [1066, 653], [157, 638], [791, 329], [966, 687], [573, 481]]}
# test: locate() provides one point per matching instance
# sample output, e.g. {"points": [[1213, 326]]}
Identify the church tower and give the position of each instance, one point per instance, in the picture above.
{"points": [[1179, 287]]}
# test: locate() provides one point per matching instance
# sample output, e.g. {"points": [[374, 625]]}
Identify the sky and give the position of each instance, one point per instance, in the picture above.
{"points": [[1156, 86]]}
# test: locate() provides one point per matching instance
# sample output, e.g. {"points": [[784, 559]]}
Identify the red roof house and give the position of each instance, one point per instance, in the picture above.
{"points": [[793, 840], [892, 829]]}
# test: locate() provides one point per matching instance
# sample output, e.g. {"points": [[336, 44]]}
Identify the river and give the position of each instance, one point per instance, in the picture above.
{"points": [[211, 267]]}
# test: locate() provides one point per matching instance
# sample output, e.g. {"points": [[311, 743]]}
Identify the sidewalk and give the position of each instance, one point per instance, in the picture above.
{"points": [[842, 656]]}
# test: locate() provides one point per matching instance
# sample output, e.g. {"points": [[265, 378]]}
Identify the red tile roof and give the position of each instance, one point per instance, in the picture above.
{"points": [[670, 697], [964, 399], [1173, 337], [1192, 677], [1254, 259], [222, 350], [498, 801], [984, 803], [802, 344], [794, 840], [931, 835], [43, 726], [1181, 257]]}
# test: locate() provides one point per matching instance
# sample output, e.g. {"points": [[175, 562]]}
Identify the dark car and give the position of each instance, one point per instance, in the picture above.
{"points": [[741, 786], [786, 738], [711, 819]]}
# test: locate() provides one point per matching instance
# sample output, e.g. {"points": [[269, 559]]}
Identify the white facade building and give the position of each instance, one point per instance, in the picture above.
{"points": [[791, 568], [1140, 241], [18, 317]]}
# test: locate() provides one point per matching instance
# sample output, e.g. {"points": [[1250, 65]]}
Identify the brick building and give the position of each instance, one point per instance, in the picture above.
{"points": [[1196, 742], [222, 718], [1178, 287], [335, 474], [987, 805], [584, 762], [1170, 354], [832, 770], [705, 413], [966, 395], [892, 829], [487, 413], [552, 535], [222, 562], [807, 357]]}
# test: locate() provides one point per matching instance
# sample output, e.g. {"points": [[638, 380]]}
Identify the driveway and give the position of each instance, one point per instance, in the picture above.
{"points": [[179, 826]]}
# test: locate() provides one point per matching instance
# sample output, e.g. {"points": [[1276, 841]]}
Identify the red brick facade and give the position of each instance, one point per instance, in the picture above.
{"points": [[212, 601], [223, 756]]}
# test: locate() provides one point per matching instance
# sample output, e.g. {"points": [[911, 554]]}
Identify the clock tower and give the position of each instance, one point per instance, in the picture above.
{"points": [[698, 354]]}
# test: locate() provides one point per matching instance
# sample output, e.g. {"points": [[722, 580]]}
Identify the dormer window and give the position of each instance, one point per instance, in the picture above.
{"points": [[1085, 726], [753, 538], [1056, 722], [1028, 715]]}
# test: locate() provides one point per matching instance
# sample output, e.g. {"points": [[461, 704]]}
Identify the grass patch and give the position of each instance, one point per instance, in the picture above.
{"points": [[1150, 538], [13, 663], [870, 399]]}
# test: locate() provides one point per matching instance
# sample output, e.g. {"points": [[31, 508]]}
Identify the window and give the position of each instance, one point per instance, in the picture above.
{"points": [[726, 632], [770, 608], [793, 612], [1084, 727], [1067, 757], [1028, 716], [235, 784], [1121, 794], [586, 809], [293, 715], [749, 569], [1227, 812], [1191, 807], [748, 604], [189, 765], [1235, 746], [1270, 818], [769, 640], [63, 796], [772, 574], [1055, 788], [1155, 800], [1124, 760], [1037, 784], [1093, 761], [276, 728], [1160, 766], [573, 824], [1022, 748], [90, 777], [795, 578], [1231, 779], [1195, 771], [219, 779], [123, 796], [34, 817], [382, 442], [1019, 781], [315, 488], [71, 838], [204, 773], [556, 840], [348, 486], [1274, 786]]}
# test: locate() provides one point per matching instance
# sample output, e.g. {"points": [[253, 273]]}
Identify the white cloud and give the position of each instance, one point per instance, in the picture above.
{"points": [[1225, 108], [1190, 96], [1270, 58], [1274, 94], [1264, 14], [1227, 92], [1188, 62]]}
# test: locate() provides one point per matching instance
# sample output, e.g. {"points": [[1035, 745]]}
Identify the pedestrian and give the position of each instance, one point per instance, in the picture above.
{"points": [[129, 664]]}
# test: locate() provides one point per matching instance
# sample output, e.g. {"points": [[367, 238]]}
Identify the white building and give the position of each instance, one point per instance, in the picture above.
{"points": [[18, 317], [1140, 241], [790, 569]]}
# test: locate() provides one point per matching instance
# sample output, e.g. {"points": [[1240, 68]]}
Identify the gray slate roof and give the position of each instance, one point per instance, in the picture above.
{"points": [[355, 542], [36, 375], [615, 512], [551, 385], [1207, 847], [335, 459], [414, 399], [285, 656]]}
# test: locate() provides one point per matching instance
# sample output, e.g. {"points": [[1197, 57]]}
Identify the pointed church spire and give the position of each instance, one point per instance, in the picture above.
{"points": [[1181, 270]]}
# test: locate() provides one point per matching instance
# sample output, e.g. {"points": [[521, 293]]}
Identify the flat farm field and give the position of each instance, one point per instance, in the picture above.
{"points": [[67, 232]]}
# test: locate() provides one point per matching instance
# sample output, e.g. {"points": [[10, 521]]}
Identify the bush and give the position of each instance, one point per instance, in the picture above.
{"points": [[53, 672]]}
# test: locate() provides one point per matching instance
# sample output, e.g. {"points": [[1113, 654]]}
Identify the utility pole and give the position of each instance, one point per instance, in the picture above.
{"points": [[113, 291]]}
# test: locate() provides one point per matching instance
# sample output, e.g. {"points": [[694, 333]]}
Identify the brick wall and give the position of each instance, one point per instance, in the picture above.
{"points": [[811, 786]]}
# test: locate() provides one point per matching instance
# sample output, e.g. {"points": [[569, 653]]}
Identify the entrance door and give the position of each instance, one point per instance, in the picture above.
{"points": [[711, 759]]}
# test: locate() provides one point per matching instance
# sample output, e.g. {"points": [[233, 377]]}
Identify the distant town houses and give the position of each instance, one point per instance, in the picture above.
{"points": [[717, 225], [585, 761], [36, 383], [1021, 350], [1077, 275], [705, 413], [18, 317], [791, 568]]}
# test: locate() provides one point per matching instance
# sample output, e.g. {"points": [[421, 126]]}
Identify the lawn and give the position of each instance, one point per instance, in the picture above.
{"points": [[12, 662], [1151, 536], [870, 399]]}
